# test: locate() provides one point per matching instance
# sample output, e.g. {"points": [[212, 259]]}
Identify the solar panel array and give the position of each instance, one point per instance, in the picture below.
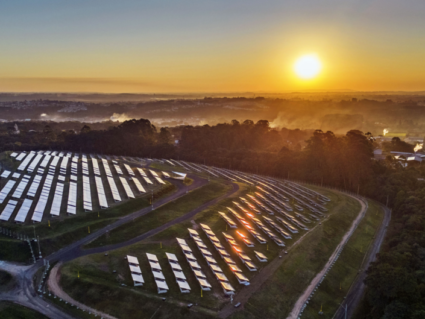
{"points": [[141, 172], [34, 163], [139, 186], [21, 187], [34, 186], [95, 166], [23, 211], [106, 166], [26, 161], [136, 273], [6, 190], [118, 169], [101, 192], [57, 200], [5, 174], [45, 161], [197, 270], [178, 273], [37, 216], [159, 179], [129, 170], [87, 203], [127, 188], [72, 199], [21, 156], [8, 210], [64, 165], [157, 273], [53, 165], [114, 189]]}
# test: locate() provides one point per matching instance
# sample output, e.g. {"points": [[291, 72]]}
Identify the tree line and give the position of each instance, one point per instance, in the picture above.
{"points": [[395, 282]]}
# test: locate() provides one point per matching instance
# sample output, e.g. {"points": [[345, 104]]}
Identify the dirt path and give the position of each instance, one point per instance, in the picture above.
{"points": [[303, 298], [53, 284]]}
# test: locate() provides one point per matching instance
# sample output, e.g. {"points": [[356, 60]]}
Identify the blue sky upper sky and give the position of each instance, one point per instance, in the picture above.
{"points": [[210, 46]]}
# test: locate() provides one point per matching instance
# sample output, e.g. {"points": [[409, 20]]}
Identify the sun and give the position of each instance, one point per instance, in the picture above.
{"points": [[308, 66]]}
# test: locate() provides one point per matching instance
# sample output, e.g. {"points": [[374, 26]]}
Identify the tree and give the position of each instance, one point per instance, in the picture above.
{"points": [[85, 129]]}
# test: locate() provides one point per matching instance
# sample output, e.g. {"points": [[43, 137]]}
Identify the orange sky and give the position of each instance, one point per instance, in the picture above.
{"points": [[210, 47]]}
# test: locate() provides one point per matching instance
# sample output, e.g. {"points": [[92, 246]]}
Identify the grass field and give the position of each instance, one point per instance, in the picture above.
{"points": [[12, 311], [163, 214], [6, 280], [97, 277], [279, 293], [339, 279]]}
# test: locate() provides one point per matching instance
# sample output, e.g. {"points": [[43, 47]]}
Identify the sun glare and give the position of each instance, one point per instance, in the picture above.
{"points": [[308, 66]]}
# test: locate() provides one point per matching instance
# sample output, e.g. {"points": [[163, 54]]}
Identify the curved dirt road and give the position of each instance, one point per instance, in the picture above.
{"points": [[53, 284]]}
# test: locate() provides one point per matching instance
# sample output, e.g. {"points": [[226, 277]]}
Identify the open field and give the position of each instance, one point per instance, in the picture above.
{"points": [[97, 275], [163, 214], [13, 311]]}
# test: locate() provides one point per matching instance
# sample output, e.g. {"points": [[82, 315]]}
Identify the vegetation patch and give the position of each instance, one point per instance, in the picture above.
{"points": [[339, 279], [163, 214], [13, 311]]}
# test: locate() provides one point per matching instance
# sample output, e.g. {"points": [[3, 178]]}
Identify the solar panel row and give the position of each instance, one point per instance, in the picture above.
{"points": [[8, 210], [101, 192], [42, 201], [87, 203], [72, 199], [57, 200]]}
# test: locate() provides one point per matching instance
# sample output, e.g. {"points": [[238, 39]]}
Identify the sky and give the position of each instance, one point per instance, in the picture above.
{"points": [[154, 46]]}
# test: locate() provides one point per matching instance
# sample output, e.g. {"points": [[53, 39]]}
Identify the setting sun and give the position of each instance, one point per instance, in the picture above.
{"points": [[308, 66]]}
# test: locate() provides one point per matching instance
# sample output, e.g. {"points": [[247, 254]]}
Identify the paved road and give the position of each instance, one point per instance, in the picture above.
{"points": [[23, 292], [358, 287]]}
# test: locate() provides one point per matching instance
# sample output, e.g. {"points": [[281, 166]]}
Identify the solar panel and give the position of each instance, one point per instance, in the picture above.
{"points": [[159, 179], [61, 178], [129, 170], [6, 190], [118, 169], [114, 189], [87, 203], [16, 175], [13, 154], [95, 166], [57, 200], [26, 161], [101, 192], [147, 180], [127, 188], [34, 186], [5, 174], [106, 166], [8, 210], [21, 156], [142, 172], [45, 161], [85, 168], [64, 165], [154, 174], [72, 199], [139, 186], [21, 187], [37, 216], [23, 211]]}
